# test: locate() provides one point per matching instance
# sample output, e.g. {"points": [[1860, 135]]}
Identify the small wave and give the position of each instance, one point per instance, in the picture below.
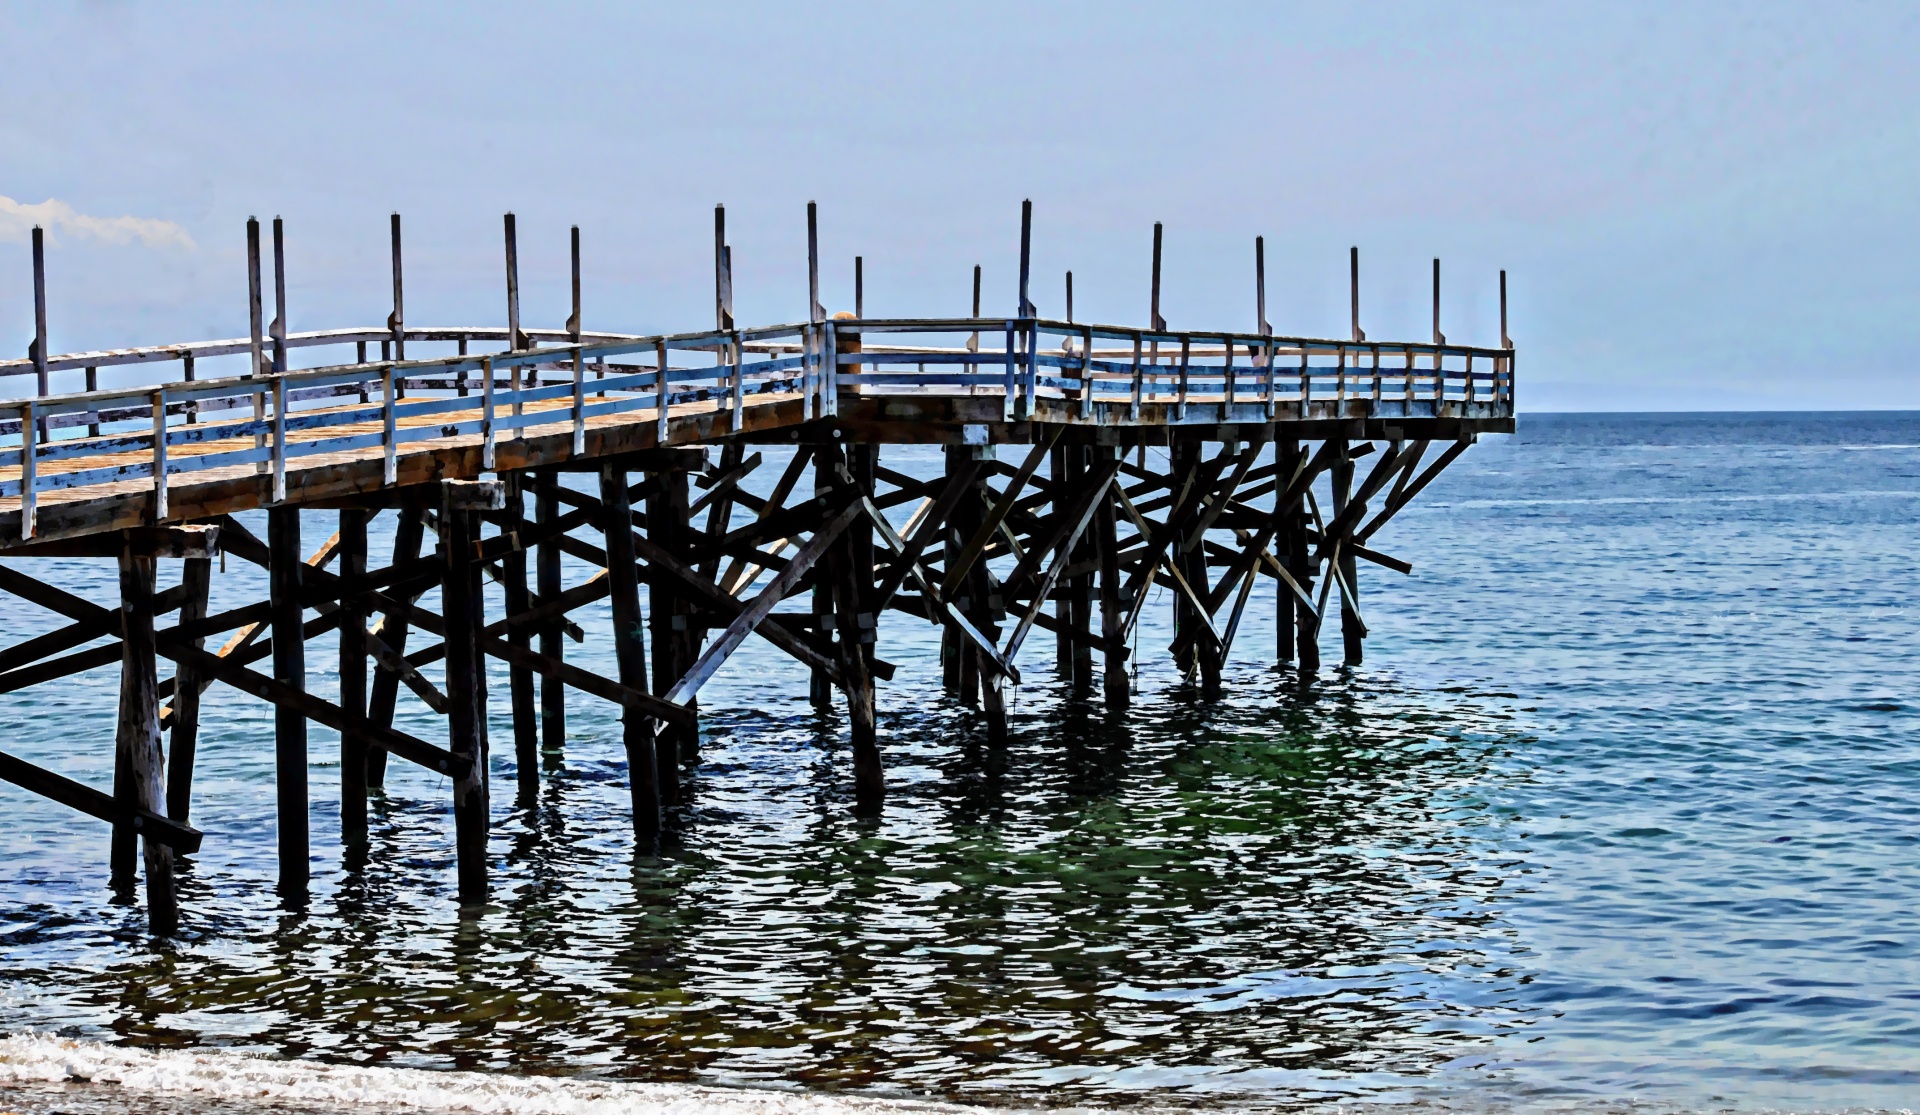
{"points": [[1600, 501], [37, 1059]]}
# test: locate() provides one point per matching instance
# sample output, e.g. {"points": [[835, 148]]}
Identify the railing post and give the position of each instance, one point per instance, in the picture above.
{"points": [[1272, 408], [39, 310], [1139, 379], [517, 382], [739, 379], [830, 390], [1086, 372], [159, 456], [1306, 382], [1030, 389], [279, 451], [661, 396], [1227, 371], [1376, 375], [579, 397], [29, 471], [486, 413], [1010, 387], [388, 441], [1186, 356], [1469, 384]]}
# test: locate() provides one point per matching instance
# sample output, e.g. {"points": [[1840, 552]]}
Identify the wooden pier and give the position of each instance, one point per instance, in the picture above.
{"points": [[1046, 518]]}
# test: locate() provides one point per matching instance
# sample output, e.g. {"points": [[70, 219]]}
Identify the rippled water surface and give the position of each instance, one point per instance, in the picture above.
{"points": [[1621, 808]]}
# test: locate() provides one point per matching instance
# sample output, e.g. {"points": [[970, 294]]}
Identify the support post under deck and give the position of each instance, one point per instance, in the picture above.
{"points": [[196, 576], [1352, 632], [137, 738], [408, 534], [462, 609], [1106, 541], [553, 691], [513, 568], [630, 652], [285, 575], [353, 678]]}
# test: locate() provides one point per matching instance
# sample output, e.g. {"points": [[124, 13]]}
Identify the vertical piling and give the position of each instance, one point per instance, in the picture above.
{"points": [[408, 533], [1343, 565], [462, 609], [353, 677], [630, 652], [1286, 516], [196, 576], [138, 734], [1106, 539], [513, 569], [670, 622], [553, 692], [285, 574]]}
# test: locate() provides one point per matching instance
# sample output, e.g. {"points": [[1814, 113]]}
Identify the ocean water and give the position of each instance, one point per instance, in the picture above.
{"points": [[1619, 815]]}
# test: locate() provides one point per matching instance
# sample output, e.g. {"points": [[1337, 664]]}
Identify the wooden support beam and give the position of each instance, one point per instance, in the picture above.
{"points": [[462, 605], [513, 579], [178, 835], [408, 533], [756, 611], [671, 622], [148, 542], [1283, 518], [553, 692], [285, 581], [196, 576], [629, 648], [976, 544], [1113, 677], [137, 741], [353, 680], [466, 495], [1353, 630], [672, 459]]}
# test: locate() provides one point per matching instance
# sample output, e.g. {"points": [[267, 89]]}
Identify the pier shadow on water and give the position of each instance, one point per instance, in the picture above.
{"points": [[1280, 895]]}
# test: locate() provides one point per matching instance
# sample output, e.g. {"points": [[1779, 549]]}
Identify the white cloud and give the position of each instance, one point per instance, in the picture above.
{"points": [[59, 218]]}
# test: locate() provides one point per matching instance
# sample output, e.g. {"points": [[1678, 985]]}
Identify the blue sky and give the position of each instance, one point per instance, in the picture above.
{"points": [[1701, 206]]}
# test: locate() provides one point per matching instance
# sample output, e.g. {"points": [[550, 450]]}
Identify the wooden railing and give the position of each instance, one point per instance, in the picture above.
{"points": [[155, 432]]}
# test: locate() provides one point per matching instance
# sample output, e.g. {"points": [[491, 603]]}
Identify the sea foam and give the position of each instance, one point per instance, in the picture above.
{"points": [[40, 1060]]}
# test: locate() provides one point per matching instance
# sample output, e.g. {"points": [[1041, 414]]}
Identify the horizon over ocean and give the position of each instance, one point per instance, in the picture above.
{"points": [[1619, 815]]}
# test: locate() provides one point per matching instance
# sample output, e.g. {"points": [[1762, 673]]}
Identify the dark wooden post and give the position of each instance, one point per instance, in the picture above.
{"points": [[138, 735], [1080, 584], [1286, 523], [285, 574], [353, 677], [851, 570], [408, 533], [671, 622], [1106, 538], [1307, 630], [952, 650], [819, 688], [553, 692], [196, 576], [513, 567], [1184, 454], [630, 651], [462, 606], [1352, 633], [1059, 469]]}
